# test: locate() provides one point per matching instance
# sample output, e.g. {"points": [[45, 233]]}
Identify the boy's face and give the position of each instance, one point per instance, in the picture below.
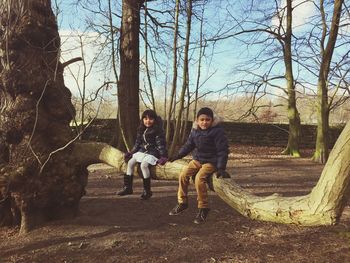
{"points": [[204, 121], [148, 122]]}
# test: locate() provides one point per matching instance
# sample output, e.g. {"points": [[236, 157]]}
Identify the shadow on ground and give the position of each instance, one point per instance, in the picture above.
{"points": [[110, 228]]}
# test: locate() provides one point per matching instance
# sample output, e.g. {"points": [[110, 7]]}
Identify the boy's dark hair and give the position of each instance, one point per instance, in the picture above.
{"points": [[152, 115], [206, 111]]}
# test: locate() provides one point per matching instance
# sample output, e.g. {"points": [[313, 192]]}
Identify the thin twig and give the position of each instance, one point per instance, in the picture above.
{"points": [[36, 122], [65, 146]]}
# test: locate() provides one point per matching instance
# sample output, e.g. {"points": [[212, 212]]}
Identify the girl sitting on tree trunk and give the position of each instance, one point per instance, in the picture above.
{"points": [[149, 149]]}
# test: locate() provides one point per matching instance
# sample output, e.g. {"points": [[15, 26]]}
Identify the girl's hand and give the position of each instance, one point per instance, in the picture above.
{"points": [[127, 156], [162, 160]]}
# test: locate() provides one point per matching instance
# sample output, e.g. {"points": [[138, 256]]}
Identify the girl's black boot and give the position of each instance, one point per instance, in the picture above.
{"points": [[127, 188], [147, 193]]}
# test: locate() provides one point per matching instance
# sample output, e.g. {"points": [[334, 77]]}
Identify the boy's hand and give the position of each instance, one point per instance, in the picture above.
{"points": [[174, 158], [162, 160], [127, 156], [222, 173]]}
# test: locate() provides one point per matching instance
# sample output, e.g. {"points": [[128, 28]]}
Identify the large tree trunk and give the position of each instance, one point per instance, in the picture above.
{"points": [[322, 145], [128, 86], [37, 181], [323, 206], [293, 114]]}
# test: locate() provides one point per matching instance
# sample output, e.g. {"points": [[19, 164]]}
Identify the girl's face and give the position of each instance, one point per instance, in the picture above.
{"points": [[204, 121], [148, 122]]}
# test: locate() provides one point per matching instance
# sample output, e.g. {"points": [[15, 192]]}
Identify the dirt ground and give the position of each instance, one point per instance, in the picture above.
{"points": [[110, 228]]}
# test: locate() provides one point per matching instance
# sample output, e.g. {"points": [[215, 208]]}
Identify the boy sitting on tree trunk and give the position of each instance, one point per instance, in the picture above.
{"points": [[209, 144]]}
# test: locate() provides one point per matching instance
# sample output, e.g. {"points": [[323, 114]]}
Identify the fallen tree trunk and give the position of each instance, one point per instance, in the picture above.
{"points": [[323, 206], [88, 153]]}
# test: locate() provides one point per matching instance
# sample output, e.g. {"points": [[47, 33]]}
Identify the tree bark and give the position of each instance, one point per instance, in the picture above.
{"points": [[293, 114], [37, 180], [128, 85], [148, 73], [88, 153], [322, 144]]}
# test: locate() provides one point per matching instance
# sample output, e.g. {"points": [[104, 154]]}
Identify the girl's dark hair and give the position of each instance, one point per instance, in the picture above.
{"points": [[152, 115]]}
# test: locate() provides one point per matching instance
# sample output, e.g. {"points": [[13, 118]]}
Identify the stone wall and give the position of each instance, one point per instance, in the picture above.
{"points": [[262, 134], [102, 130], [265, 134]]}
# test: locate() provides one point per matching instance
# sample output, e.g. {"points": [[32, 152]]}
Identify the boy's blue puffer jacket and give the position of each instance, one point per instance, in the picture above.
{"points": [[208, 146]]}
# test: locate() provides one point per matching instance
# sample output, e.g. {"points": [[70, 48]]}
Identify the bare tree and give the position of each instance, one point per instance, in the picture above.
{"points": [[322, 145], [269, 29], [128, 84], [148, 74], [177, 132], [174, 82], [200, 56], [293, 114]]}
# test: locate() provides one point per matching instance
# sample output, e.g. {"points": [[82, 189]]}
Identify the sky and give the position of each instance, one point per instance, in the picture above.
{"points": [[76, 41], [220, 66], [79, 44]]}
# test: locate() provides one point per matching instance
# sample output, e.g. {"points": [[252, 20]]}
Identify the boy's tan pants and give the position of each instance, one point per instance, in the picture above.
{"points": [[201, 171]]}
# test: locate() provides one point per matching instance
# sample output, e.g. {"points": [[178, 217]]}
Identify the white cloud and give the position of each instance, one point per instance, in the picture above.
{"points": [[302, 13], [87, 45], [345, 26]]}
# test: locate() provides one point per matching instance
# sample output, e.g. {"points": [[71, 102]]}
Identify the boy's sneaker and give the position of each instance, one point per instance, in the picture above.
{"points": [[178, 209], [201, 216]]}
